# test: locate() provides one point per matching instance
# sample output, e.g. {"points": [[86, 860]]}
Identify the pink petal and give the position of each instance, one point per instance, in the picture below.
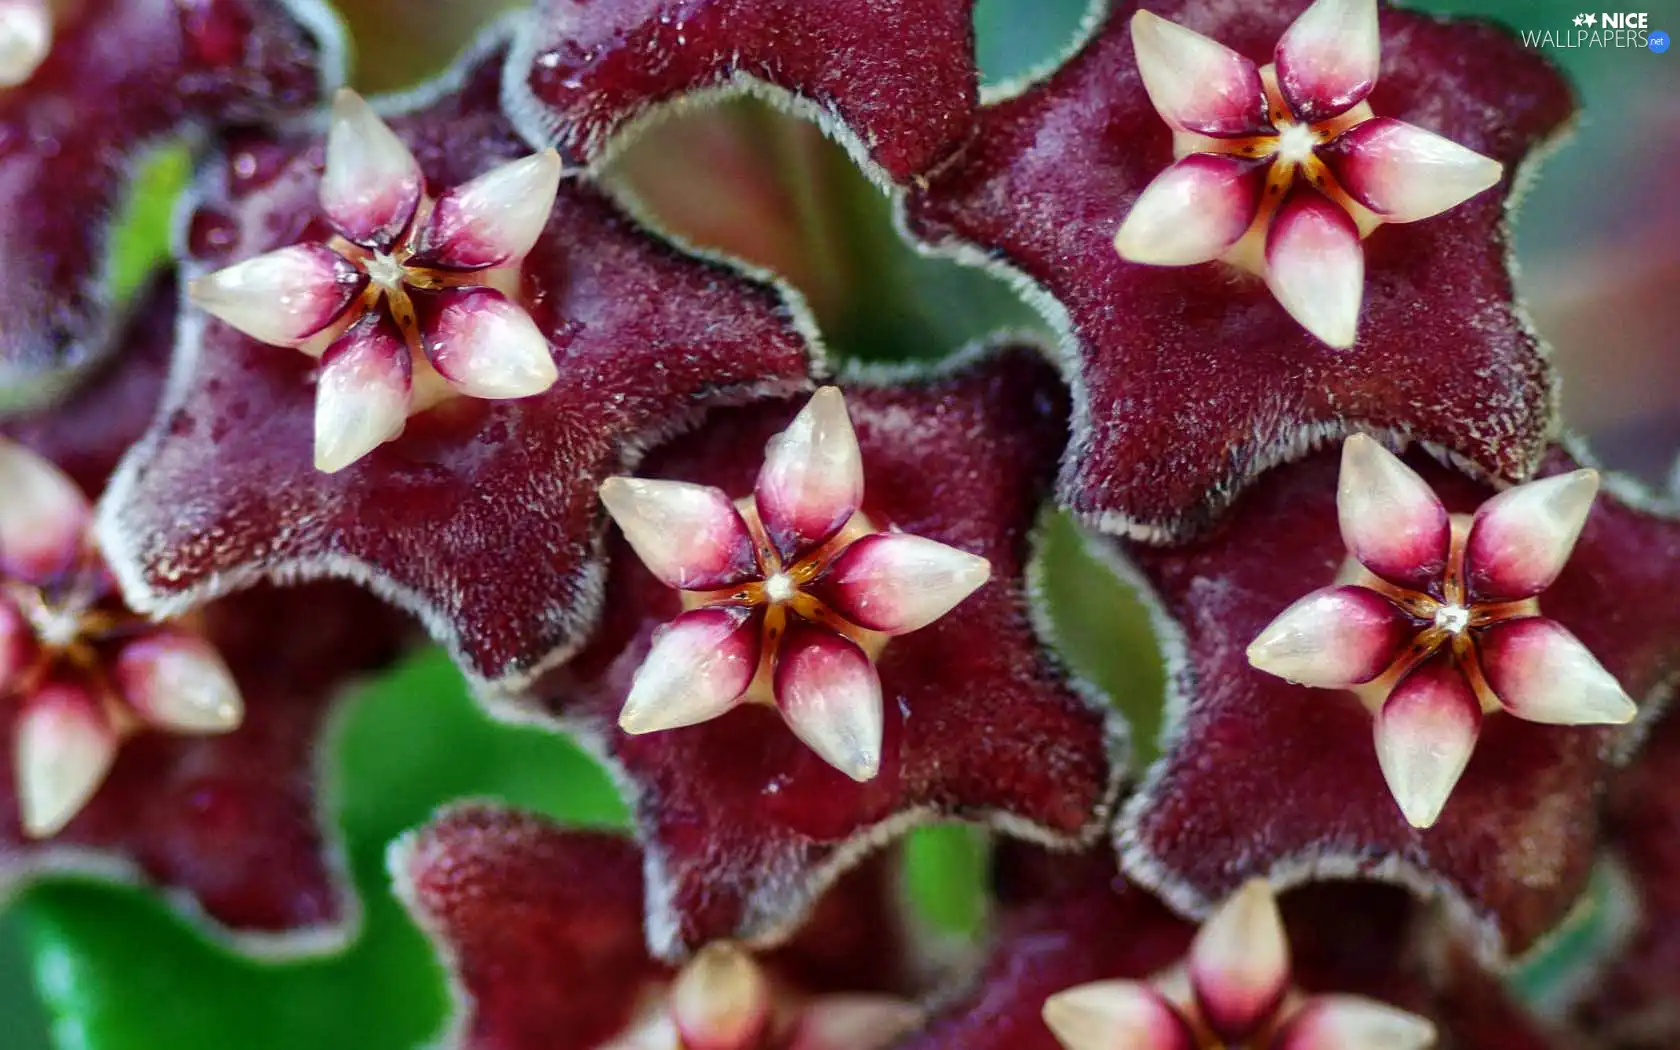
{"points": [[26, 33], [1543, 673], [1239, 963], [1327, 61], [64, 747], [281, 297], [1405, 173], [812, 481], [362, 394], [1391, 520], [494, 220], [43, 515], [1426, 731], [1349, 1022], [1193, 211], [1521, 538], [372, 184], [1315, 267], [1109, 1015], [690, 536], [698, 667], [178, 682], [1332, 638], [721, 1000], [898, 583], [485, 344], [1198, 84], [854, 1022], [831, 698]]}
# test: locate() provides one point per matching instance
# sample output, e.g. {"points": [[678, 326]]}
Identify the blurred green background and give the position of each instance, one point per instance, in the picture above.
{"points": [[91, 966]]}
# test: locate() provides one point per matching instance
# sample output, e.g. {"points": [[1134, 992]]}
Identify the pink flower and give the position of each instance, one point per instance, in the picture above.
{"points": [[790, 593], [445, 268], [1283, 169], [1438, 621], [82, 671], [1233, 991]]}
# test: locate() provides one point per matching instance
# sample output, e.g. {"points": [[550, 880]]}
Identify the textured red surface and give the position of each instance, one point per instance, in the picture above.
{"points": [[544, 929], [121, 74], [1190, 381], [900, 74], [1267, 778], [482, 518], [230, 821], [742, 820]]}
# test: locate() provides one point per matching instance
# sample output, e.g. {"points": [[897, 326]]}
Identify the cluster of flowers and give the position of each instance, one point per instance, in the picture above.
{"points": [[414, 352]]}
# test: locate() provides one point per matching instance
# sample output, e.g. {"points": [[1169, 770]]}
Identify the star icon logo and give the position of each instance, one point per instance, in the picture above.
{"points": [[1592, 20], [1580, 20]]}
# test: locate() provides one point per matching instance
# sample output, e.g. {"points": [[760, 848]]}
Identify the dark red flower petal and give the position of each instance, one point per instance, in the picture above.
{"points": [[1189, 381], [543, 927], [744, 824], [123, 75], [482, 518], [1262, 777], [1633, 1003], [896, 80]]}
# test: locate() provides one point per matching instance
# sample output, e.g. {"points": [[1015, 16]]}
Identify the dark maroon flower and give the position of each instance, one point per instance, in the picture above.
{"points": [[90, 95], [227, 820], [543, 927], [482, 517], [742, 823], [1190, 380], [1262, 777], [896, 79]]}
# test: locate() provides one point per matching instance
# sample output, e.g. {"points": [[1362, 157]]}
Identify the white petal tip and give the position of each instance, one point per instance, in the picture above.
{"points": [[179, 683], [1315, 268], [64, 749], [721, 998], [26, 32], [1112, 1014]]}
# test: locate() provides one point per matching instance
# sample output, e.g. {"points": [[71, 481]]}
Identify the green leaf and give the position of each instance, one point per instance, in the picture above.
{"points": [[1100, 627], [118, 971], [945, 873], [139, 240]]}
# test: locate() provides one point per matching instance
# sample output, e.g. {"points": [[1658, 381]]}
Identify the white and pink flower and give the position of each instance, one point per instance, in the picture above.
{"points": [[1437, 621], [78, 671], [723, 999], [1283, 169], [414, 301], [790, 593], [1234, 990]]}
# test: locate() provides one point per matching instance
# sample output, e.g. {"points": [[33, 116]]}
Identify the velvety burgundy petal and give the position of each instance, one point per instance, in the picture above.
{"points": [[230, 824], [1441, 353], [543, 928], [482, 517], [1261, 777], [120, 75], [1633, 1003], [744, 823], [896, 80]]}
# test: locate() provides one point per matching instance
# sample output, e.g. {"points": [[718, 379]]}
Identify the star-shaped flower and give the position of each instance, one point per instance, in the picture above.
{"points": [[84, 672], [92, 88], [543, 927], [1260, 777], [743, 823], [1284, 168], [414, 299], [1442, 623], [1442, 355], [791, 593], [482, 517], [1239, 994]]}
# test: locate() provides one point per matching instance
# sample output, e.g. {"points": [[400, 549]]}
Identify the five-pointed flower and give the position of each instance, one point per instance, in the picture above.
{"points": [[724, 999], [80, 670], [790, 593], [1233, 991], [1438, 622], [446, 269], [1283, 169]]}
